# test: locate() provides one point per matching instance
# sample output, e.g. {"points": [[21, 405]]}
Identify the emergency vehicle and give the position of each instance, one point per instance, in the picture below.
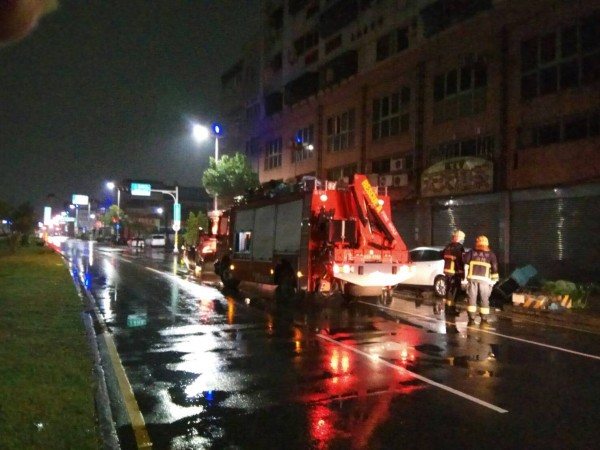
{"points": [[322, 238]]}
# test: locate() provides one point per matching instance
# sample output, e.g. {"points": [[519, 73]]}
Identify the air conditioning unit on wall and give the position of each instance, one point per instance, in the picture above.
{"points": [[400, 180], [385, 180], [397, 164]]}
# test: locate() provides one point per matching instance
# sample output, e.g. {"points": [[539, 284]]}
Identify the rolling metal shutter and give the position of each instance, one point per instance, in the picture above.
{"points": [[478, 215], [558, 232], [403, 216]]}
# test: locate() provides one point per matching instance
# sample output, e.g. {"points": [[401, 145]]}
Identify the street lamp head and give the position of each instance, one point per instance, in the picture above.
{"points": [[110, 185], [217, 129], [200, 133]]}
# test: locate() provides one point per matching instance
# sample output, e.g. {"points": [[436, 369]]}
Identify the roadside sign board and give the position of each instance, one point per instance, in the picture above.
{"points": [[176, 216], [80, 199], [142, 189], [47, 215]]}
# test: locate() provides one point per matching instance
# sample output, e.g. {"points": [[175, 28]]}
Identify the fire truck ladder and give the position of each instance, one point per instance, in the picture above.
{"points": [[367, 200]]}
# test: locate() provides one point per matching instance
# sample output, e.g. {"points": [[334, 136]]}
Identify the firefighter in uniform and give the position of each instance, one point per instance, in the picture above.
{"points": [[454, 271], [482, 274]]}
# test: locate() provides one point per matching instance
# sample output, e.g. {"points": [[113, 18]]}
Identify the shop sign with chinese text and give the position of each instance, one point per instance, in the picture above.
{"points": [[458, 176]]}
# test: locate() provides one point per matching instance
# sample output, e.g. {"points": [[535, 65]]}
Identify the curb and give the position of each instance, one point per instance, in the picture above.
{"points": [[586, 319], [89, 317]]}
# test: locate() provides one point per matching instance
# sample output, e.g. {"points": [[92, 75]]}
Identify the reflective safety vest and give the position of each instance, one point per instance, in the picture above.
{"points": [[453, 259], [483, 265]]}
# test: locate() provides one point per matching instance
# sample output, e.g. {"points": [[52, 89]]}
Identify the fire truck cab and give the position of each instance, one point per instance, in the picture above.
{"points": [[320, 238]]}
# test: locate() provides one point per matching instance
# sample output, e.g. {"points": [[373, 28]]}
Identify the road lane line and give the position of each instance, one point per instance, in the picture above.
{"points": [[142, 438], [557, 325], [527, 341], [541, 344], [416, 375]]}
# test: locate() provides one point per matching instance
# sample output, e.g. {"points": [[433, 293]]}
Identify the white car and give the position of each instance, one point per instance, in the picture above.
{"points": [[429, 269], [156, 240]]}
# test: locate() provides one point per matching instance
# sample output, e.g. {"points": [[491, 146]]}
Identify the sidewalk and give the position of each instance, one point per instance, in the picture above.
{"points": [[585, 319], [579, 318]]}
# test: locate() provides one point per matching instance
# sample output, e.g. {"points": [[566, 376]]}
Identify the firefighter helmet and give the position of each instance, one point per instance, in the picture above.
{"points": [[458, 236], [482, 243]]}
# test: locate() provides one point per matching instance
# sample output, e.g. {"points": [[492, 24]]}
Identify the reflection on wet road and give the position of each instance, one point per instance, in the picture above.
{"points": [[228, 370]]}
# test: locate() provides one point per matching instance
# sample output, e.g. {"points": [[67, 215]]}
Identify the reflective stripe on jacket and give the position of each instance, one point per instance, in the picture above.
{"points": [[483, 265], [453, 259]]}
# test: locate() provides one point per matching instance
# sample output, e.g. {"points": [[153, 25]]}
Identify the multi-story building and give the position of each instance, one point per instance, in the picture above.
{"points": [[482, 115]]}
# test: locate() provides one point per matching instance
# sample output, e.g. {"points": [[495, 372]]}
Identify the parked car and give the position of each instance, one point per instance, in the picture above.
{"points": [[429, 269], [156, 240]]}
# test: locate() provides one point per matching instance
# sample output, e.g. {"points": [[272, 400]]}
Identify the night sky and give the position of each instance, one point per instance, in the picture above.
{"points": [[106, 90]]}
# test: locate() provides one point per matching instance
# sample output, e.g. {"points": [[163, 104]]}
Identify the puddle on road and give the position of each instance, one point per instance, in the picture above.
{"points": [[429, 349], [180, 397]]}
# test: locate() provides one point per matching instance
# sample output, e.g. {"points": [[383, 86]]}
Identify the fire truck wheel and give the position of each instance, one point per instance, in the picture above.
{"points": [[197, 270], [348, 292], [285, 292], [227, 278], [386, 297]]}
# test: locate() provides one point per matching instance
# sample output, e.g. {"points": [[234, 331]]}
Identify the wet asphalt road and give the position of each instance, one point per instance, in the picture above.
{"points": [[242, 371]]}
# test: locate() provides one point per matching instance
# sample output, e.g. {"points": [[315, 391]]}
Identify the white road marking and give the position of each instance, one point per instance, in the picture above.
{"points": [[416, 375], [527, 341]]}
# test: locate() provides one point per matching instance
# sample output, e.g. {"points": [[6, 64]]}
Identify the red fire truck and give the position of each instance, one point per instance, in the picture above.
{"points": [[322, 238]]}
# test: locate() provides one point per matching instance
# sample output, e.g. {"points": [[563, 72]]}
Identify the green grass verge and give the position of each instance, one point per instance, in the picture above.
{"points": [[46, 381]]}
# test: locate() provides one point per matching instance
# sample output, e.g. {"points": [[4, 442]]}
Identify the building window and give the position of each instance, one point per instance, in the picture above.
{"points": [[276, 62], [340, 131], [391, 114], [252, 148], [480, 146], [460, 92], [381, 166], [561, 59], [392, 43], [563, 129], [304, 144], [306, 42], [273, 154], [387, 165], [343, 173], [332, 44], [253, 112]]}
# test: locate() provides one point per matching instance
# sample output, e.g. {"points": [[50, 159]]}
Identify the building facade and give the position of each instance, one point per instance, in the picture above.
{"points": [[482, 115]]}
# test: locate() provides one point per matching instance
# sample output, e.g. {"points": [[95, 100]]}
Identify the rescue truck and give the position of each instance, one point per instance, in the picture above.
{"points": [[323, 238]]}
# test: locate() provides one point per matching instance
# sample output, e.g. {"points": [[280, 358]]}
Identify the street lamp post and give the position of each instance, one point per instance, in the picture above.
{"points": [[216, 161], [200, 134], [176, 213], [160, 211], [111, 185]]}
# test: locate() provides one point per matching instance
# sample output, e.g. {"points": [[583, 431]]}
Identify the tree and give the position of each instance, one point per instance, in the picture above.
{"points": [[113, 216], [229, 177], [192, 225], [23, 224], [5, 210]]}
